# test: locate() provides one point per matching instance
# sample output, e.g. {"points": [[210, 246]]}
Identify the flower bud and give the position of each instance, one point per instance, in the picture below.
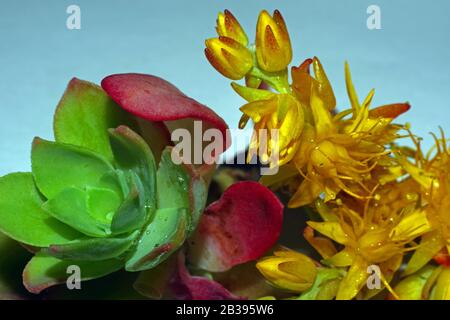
{"points": [[228, 26], [229, 57], [273, 46], [288, 269]]}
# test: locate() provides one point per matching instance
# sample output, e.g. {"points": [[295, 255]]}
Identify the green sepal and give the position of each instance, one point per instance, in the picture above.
{"points": [[162, 236], [251, 94], [57, 166], [44, 271], [84, 114], [93, 249], [324, 286], [23, 219]]}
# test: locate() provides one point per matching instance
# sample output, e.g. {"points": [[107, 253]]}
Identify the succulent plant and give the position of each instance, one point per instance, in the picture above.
{"points": [[101, 197], [109, 194]]}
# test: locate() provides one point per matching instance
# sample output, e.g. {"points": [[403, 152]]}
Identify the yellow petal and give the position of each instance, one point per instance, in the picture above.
{"points": [[322, 116], [354, 280], [332, 230], [323, 246], [411, 226], [258, 109], [228, 26], [430, 245], [306, 193], [343, 258], [252, 94], [351, 90], [442, 288], [325, 89]]}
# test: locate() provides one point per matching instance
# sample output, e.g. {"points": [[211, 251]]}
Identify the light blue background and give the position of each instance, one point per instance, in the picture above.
{"points": [[408, 60]]}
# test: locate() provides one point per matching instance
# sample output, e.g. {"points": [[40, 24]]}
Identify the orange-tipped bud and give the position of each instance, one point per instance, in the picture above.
{"points": [[229, 57], [273, 46], [228, 26]]}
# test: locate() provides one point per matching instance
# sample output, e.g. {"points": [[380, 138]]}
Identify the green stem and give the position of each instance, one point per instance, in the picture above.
{"points": [[277, 80]]}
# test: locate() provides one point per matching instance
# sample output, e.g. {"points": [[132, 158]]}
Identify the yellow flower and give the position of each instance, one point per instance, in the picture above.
{"points": [[289, 270], [432, 174], [229, 57], [282, 114], [228, 26], [278, 123], [273, 46], [341, 152], [369, 237]]}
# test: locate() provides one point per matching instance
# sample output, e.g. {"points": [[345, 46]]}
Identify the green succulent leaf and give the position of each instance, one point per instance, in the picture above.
{"points": [[57, 166], [71, 207], [173, 183], [162, 236], [130, 215], [93, 249], [199, 196], [84, 115], [132, 154], [23, 219], [44, 271], [102, 203], [179, 186]]}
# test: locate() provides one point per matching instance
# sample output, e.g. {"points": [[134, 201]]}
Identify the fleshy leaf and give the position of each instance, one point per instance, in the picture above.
{"points": [[137, 164], [23, 219], [132, 153], [130, 215], [227, 236], [93, 249], [164, 234], [155, 99], [180, 186], [44, 271], [187, 287], [102, 203], [173, 183], [84, 115], [71, 207], [58, 166]]}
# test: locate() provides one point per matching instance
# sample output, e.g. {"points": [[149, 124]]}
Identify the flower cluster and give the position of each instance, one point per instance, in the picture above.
{"points": [[372, 200]]}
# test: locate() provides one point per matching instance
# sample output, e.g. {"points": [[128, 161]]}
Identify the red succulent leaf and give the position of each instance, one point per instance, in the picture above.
{"points": [[240, 227], [187, 287], [154, 99]]}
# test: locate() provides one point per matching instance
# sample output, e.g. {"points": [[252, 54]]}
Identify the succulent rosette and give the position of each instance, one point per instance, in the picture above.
{"points": [[107, 194]]}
